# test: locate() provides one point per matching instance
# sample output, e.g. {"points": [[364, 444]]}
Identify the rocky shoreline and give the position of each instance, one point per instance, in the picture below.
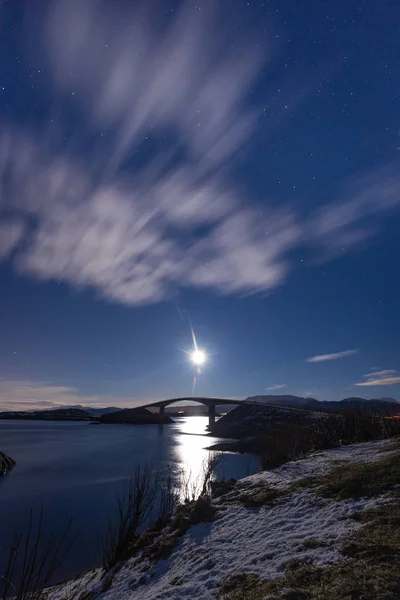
{"points": [[6, 463]]}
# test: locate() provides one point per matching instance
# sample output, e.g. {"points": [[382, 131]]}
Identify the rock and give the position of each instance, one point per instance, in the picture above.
{"points": [[6, 463]]}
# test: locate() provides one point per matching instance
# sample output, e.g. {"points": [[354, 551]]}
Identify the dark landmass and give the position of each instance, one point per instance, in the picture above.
{"points": [[242, 446], [249, 420], [268, 413], [387, 406], [59, 414], [6, 463], [135, 416]]}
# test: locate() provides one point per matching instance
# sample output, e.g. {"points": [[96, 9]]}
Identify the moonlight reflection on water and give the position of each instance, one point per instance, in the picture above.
{"points": [[77, 470]]}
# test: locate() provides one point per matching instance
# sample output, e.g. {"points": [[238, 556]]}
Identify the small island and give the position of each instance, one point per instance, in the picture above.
{"points": [[58, 414], [132, 416]]}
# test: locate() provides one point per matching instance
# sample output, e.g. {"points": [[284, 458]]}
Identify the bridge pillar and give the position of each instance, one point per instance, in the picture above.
{"points": [[162, 412], [211, 415]]}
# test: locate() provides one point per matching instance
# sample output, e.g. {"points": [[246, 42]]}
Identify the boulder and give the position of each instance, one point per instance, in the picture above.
{"points": [[6, 463]]}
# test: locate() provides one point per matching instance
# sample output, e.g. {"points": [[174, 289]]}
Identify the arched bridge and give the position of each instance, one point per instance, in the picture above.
{"points": [[210, 402]]}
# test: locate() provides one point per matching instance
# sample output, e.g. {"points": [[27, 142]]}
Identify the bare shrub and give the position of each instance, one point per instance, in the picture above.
{"points": [[33, 561], [134, 507], [168, 500], [176, 500], [191, 488], [209, 467], [322, 432]]}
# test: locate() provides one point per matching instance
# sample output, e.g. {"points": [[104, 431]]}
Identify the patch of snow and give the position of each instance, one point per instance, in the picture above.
{"points": [[259, 541]]}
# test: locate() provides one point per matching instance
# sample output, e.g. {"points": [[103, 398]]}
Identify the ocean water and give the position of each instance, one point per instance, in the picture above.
{"points": [[77, 470]]}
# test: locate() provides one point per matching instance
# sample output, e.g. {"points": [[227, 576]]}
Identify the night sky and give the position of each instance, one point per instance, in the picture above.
{"points": [[226, 166]]}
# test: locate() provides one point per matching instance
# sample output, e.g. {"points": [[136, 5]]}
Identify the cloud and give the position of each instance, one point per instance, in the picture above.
{"points": [[139, 235], [385, 373], [135, 239], [384, 381], [31, 395], [385, 377], [334, 356], [351, 219], [11, 232], [139, 200], [278, 386], [133, 78]]}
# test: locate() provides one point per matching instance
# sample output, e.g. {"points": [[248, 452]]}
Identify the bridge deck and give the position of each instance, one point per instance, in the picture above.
{"points": [[211, 403]]}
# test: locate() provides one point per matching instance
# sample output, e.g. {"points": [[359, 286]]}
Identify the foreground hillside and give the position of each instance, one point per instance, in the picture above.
{"points": [[323, 527]]}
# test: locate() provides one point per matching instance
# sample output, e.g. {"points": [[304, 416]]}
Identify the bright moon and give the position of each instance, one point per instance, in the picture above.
{"points": [[198, 357]]}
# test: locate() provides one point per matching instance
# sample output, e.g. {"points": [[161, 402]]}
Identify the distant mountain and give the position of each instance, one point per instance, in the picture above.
{"points": [[357, 399], [95, 412], [58, 414], [98, 412], [283, 399], [379, 405]]}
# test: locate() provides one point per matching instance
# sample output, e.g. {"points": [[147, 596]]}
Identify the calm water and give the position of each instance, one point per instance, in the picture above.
{"points": [[77, 470]]}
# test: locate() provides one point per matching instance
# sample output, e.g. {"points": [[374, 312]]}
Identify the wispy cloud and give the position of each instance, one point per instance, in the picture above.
{"points": [[334, 356], [278, 386], [375, 373], [141, 200], [32, 395], [376, 378], [11, 232]]}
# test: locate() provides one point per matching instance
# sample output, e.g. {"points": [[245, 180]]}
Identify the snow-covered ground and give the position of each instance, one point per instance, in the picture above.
{"points": [[259, 541]]}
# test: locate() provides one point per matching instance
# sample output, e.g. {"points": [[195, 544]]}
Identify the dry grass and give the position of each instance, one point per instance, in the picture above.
{"points": [[362, 480], [356, 480], [242, 586], [371, 569]]}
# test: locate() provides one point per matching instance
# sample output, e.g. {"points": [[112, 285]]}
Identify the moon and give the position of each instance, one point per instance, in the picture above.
{"points": [[198, 357]]}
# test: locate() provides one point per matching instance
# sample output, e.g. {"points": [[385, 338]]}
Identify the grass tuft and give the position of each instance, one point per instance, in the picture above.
{"points": [[243, 586], [357, 480], [313, 543], [259, 498]]}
